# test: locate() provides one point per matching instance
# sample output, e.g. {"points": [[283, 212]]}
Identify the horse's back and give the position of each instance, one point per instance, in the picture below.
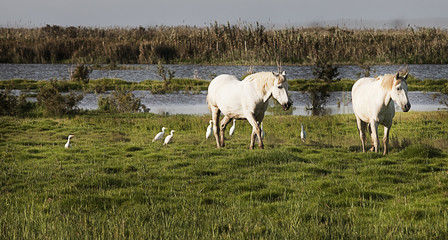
{"points": [[362, 85], [361, 98], [222, 87]]}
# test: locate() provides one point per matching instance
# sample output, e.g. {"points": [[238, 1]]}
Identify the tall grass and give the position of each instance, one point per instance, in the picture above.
{"points": [[222, 44], [115, 183]]}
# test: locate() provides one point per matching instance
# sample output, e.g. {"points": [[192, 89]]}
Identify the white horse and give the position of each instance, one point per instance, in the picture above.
{"points": [[247, 99], [372, 105]]}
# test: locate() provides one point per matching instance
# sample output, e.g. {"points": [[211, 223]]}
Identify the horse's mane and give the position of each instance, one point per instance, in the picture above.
{"points": [[264, 80], [387, 81]]}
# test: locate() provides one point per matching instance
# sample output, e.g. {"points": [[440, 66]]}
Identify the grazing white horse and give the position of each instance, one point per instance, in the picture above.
{"points": [[247, 99], [373, 103]]}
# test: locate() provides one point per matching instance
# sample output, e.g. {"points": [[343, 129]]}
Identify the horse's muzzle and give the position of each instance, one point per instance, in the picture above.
{"points": [[406, 107], [286, 106]]}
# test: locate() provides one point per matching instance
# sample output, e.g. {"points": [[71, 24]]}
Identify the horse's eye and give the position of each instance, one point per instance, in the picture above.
{"points": [[398, 88], [280, 87]]}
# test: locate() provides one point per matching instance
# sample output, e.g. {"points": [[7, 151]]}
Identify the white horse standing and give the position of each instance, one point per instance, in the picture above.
{"points": [[373, 105], [247, 99]]}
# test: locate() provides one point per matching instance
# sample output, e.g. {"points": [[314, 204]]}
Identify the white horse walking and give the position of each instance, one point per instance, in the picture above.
{"points": [[247, 99], [373, 105]]}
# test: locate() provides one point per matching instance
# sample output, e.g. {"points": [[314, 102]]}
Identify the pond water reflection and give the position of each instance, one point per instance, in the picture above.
{"points": [[185, 103], [141, 72]]}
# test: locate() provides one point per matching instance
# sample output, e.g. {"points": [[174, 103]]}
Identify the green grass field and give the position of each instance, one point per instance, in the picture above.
{"points": [[114, 183]]}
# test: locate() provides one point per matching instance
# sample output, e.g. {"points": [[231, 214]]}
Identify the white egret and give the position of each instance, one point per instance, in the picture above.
{"points": [[159, 135], [209, 130], [232, 129], [262, 131], [303, 134], [68, 145], [168, 138]]}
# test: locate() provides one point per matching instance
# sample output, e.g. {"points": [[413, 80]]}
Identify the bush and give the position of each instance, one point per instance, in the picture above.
{"points": [[80, 74], [325, 74], [325, 71], [12, 105], [54, 103], [120, 101], [8, 102], [162, 72]]}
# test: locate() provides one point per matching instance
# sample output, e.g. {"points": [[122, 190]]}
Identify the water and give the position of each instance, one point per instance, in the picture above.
{"points": [[182, 103], [145, 72]]}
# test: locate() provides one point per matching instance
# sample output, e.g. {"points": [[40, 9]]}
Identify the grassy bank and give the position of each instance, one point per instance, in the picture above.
{"points": [[194, 85], [250, 44], [116, 183]]}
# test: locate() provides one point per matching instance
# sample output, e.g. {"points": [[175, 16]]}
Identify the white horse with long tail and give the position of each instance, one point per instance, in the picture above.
{"points": [[373, 103], [247, 99]]}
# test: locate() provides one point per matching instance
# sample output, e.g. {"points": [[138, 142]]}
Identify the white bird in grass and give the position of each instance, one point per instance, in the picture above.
{"points": [[261, 133], [209, 130], [159, 135], [232, 129], [68, 145], [168, 138], [303, 134]]}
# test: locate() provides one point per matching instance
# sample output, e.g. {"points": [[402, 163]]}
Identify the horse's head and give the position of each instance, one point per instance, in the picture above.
{"points": [[280, 90], [399, 92]]}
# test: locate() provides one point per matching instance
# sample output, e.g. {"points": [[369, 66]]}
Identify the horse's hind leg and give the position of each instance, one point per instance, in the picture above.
{"points": [[215, 117], [374, 135], [223, 126], [362, 132]]}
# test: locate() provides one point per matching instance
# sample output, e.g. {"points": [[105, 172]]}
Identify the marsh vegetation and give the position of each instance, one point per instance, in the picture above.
{"points": [[250, 44], [115, 183]]}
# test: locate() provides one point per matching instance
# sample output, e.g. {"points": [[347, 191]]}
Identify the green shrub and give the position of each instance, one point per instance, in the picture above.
{"points": [[120, 101], [12, 105], [162, 71], [81, 73], [8, 102], [54, 103]]}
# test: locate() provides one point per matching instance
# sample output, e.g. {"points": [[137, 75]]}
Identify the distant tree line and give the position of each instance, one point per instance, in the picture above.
{"points": [[223, 44]]}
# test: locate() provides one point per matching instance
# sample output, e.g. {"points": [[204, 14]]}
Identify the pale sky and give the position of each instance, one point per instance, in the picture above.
{"points": [[276, 13]]}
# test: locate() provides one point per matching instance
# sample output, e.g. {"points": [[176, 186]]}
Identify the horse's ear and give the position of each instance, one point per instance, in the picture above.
{"points": [[397, 76], [275, 74], [405, 77], [284, 73]]}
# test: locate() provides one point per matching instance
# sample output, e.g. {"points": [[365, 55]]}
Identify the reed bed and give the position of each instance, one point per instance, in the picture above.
{"points": [[223, 44]]}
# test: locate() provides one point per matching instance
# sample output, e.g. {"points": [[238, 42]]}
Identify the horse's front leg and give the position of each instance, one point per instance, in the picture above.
{"points": [[255, 130], [374, 135], [386, 138], [252, 139], [223, 126]]}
